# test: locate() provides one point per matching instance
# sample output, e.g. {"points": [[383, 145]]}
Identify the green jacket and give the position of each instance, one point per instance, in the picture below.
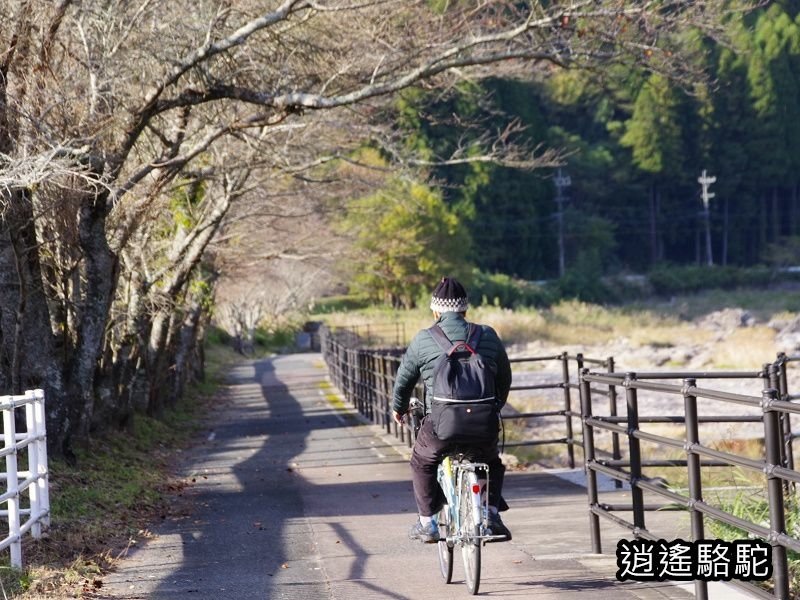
{"points": [[421, 355]]}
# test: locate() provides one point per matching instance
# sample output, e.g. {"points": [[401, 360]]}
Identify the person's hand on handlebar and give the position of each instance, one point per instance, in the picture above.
{"points": [[398, 417]]}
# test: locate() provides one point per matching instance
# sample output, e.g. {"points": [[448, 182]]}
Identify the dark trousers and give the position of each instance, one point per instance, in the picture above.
{"points": [[429, 451]]}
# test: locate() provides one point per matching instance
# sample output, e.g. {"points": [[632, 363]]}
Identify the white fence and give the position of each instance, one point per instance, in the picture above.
{"points": [[26, 495]]}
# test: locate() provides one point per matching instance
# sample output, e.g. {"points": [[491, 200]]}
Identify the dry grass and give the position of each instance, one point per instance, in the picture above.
{"points": [[746, 348], [656, 325]]}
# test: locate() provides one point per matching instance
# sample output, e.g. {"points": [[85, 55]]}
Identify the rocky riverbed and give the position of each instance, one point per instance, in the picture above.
{"points": [[730, 340]]}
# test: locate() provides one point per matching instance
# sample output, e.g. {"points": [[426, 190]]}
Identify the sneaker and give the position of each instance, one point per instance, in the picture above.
{"points": [[428, 534], [497, 527]]}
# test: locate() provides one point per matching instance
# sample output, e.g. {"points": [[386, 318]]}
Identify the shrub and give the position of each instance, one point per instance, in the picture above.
{"points": [[585, 285], [486, 289], [333, 304], [275, 340], [215, 336], [670, 279]]}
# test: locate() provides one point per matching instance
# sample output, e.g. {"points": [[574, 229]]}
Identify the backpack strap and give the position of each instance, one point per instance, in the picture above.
{"points": [[471, 343], [474, 337], [440, 337]]}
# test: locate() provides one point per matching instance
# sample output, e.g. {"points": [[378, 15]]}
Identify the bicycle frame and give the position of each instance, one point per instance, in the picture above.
{"points": [[455, 474], [467, 497]]}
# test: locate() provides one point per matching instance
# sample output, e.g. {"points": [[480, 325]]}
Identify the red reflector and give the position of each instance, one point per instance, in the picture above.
{"points": [[476, 489]]}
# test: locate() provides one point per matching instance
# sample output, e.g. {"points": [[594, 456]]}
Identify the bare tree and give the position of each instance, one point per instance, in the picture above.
{"points": [[110, 111]]}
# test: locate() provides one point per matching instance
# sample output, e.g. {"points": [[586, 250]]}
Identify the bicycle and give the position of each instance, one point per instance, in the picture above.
{"points": [[464, 519]]}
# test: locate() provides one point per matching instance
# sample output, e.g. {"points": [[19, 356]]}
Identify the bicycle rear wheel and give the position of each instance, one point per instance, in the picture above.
{"points": [[445, 549], [471, 547]]}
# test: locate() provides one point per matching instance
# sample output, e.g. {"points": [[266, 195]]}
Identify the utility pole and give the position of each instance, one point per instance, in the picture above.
{"points": [[562, 181], [705, 181]]}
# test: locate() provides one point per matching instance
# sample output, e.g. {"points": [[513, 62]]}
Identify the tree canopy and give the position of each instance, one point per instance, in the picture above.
{"points": [[150, 151]]}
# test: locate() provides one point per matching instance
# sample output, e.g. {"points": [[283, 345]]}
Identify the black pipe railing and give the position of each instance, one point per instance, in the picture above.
{"points": [[772, 404], [366, 377]]}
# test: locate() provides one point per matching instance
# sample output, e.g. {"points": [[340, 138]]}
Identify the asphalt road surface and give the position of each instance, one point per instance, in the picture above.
{"points": [[295, 498]]}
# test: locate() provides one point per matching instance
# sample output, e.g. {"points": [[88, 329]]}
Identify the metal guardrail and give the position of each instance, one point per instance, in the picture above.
{"points": [[366, 377], [27, 495], [775, 464], [566, 383]]}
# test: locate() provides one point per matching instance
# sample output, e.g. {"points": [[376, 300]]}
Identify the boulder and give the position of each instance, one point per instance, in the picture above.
{"points": [[727, 319]]}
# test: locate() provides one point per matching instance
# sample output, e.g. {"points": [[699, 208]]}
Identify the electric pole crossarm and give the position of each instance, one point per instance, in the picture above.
{"points": [[705, 181]]}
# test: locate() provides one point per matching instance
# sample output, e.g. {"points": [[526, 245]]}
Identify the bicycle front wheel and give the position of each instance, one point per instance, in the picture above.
{"points": [[445, 549], [471, 544]]}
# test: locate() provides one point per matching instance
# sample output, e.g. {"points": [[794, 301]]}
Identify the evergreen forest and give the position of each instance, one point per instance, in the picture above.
{"points": [[165, 169], [633, 144]]}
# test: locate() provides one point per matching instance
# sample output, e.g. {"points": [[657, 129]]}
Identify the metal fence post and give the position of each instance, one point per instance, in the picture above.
{"points": [[393, 370], [634, 452], [777, 516], [695, 482], [786, 422], [361, 385], [588, 459], [368, 387], [384, 405], [568, 409], [773, 372], [344, 374], [366, 390], [355, 373], [12, 485], [612, 411]]}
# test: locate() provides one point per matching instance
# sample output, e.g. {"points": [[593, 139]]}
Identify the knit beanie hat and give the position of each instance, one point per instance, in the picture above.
{"points": [[449, 296]]}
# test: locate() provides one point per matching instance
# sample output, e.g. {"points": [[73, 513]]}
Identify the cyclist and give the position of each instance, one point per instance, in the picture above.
{"points": [[449, 306]]}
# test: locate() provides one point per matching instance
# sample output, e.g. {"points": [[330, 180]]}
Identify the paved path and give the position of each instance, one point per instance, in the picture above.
{"points": [[296, 499]]}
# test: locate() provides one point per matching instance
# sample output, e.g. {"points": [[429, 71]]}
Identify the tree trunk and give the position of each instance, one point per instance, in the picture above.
{"points": [[26, 333], [185, 350], [130, 367], [101, 267], [697, 258], [157, 362], [654, 223], [762, 225], [725, 227], [776, 215]]}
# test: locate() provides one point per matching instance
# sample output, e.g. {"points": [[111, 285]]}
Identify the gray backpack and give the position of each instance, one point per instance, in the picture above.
{"points": [[464, 406]]}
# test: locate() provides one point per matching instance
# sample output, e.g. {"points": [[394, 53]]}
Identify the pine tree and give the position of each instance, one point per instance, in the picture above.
{"points": [[654, 135]]}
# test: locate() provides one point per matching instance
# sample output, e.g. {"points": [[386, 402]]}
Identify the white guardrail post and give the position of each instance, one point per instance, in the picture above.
{"points": [[12, 481], [43, 482], [34, 481]]}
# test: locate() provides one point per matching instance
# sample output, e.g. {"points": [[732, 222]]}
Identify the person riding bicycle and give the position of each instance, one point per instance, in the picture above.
{"points": [[449, 305]]}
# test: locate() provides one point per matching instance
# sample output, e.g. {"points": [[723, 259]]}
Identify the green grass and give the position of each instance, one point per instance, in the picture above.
{"points": [[752, 505], [121, 482], [272, 342]]}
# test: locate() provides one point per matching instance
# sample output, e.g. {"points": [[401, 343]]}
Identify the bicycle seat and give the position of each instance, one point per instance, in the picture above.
{"points": [[459, 454]]}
